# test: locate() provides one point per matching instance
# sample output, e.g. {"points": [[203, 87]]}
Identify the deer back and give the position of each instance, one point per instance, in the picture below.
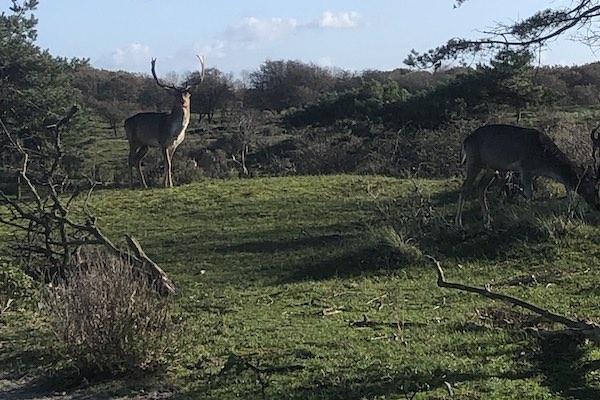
{"points": [[147, 128], [512, 148]]}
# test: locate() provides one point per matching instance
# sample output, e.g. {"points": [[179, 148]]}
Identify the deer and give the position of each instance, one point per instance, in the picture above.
{"points": [[527, 151], [163, 130]]}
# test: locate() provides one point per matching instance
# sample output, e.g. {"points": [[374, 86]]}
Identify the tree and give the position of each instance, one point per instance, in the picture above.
{"points": [[510, 75], [278, 85], [35, 88], [36, 108], [244, 137], [215, 92], [114, 96], [577, 21]]}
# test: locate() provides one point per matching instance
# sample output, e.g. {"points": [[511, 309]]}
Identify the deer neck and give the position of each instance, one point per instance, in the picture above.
{"points": [[179, 118], [567, 174], [180, 115]]}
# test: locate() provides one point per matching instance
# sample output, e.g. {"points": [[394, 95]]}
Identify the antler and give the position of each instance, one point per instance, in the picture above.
{"points": [[159, 83], [187, 85], [202, 73]]}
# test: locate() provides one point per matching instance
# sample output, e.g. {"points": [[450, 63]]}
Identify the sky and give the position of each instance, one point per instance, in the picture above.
{"points": [[237, 36]]}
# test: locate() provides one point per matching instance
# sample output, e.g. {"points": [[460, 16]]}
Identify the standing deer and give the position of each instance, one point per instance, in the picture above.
{"points": [[527, 151], [163, 130]]}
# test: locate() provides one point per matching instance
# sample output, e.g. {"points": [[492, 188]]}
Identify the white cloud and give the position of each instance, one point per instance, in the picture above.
{"points": [[129, 57], [215, 49], [252, 30], [238, 40], [329, 19]]}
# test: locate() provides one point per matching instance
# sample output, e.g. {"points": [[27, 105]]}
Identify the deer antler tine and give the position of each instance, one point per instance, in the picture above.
{"points": [[153, 64], [158, 82], [201, 59], [199, 80]]}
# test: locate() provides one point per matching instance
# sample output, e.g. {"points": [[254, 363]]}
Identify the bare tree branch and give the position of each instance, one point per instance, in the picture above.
{"points": [[589, 329], [49, 231], [535, 31]]}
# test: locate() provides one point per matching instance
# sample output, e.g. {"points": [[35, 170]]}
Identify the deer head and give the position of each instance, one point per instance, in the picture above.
{"points": [[181, 92]]}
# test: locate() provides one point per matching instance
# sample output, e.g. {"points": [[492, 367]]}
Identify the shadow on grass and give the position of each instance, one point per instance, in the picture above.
{"points": [[502, 241], [561, 359], [558, 357], [429, 222], [376, 384], [33, 367], [405, 382], [347, 261], [326, 256], [26, 349], [59, 387], [23, 372], [315, 257], [288, 244]]}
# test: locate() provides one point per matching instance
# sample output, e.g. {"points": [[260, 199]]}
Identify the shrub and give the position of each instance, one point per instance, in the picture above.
{"points": [[15, 285], [107, 318], [402, 250]]}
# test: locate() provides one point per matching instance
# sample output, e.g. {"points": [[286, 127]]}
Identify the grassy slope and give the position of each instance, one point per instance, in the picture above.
{"points": [[272, 272]]}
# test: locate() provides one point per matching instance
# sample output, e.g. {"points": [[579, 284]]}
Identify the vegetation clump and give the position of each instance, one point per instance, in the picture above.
{"points": [[107, 318]]}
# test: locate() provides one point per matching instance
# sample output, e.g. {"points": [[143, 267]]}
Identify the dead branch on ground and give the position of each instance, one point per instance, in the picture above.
{"points": [[589, 330]]}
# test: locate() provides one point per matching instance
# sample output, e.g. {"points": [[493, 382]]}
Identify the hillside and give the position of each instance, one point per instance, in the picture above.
{"points": [[298, 288]]}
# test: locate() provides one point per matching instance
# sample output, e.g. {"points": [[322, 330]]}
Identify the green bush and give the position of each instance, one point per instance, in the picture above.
{"points": [[108, 318], [15, 285]]}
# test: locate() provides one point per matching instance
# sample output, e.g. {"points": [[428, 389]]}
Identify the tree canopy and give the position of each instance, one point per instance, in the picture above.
{"points": [[35, 87], [578, 21]]}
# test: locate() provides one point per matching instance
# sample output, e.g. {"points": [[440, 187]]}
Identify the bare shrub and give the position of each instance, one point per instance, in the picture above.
{"points": [[571, 132], [422, 153], [107, 318], [324, 152]]}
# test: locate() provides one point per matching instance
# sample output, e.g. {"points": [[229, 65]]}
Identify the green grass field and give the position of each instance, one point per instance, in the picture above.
{"points": [[288, 288]]}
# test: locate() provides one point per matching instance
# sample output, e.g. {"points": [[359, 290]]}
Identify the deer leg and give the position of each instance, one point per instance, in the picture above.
{"points": [[527, 181], [131, 162], [134, 152], [168, 156], [485, 208], [139, 156], [458, 219], [472, 172]]}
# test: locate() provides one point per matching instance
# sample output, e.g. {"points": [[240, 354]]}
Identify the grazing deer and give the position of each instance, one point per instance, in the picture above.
{"points": [[163, 130], [527, 151]]}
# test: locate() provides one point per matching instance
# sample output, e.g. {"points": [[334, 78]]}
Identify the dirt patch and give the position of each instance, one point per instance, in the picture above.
{"points": [[28, 389]]}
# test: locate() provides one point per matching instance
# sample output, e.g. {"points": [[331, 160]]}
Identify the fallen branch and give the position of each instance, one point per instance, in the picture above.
{"points": [[159, 277], [590, 330], [366, 322]]}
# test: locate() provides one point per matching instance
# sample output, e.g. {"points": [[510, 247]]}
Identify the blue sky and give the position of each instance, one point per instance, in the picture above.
{"points": [[239, 35]]}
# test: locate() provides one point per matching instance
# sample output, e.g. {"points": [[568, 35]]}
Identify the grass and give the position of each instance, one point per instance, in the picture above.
{"points": [[288, 289]]}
